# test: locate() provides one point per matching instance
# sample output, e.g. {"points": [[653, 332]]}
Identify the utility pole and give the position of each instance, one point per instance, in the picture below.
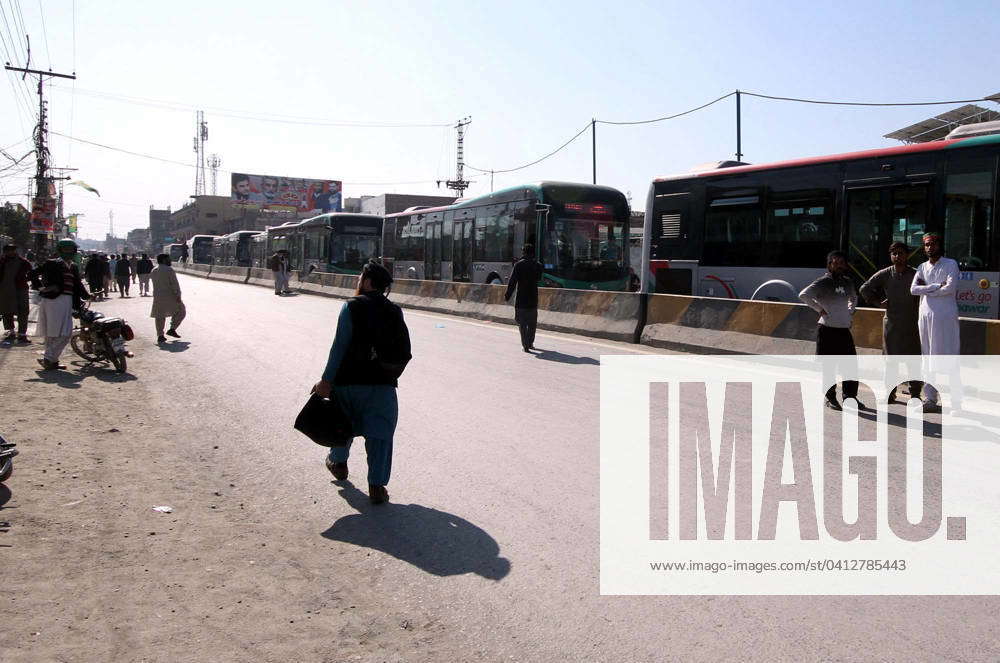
{"points": [[43, 207], [214, 161], [739, 137], [200, 136], [460, 184], [60, 217], [593, 146]]}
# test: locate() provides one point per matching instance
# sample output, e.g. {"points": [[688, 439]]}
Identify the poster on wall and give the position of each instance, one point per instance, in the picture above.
{"points": [[273, 192]]}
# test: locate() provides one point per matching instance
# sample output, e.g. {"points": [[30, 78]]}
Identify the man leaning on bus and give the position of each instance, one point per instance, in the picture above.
{"points": [[834, 297]]}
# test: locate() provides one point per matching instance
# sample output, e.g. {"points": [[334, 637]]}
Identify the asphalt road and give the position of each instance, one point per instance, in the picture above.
{"points": [[493, 530]]}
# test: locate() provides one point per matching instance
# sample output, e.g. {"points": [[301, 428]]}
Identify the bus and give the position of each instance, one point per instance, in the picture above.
{"points": [[337, 242], [199, 249], [579, 231], [743, 231], [258, 251], [175, 251], [233, 250]]}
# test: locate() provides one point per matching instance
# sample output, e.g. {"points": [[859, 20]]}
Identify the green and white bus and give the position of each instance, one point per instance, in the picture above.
{"points": [[579, 231]]}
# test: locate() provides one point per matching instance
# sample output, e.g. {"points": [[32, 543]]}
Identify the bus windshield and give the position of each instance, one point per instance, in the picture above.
{"points": [[351, 252], [580, 250]]}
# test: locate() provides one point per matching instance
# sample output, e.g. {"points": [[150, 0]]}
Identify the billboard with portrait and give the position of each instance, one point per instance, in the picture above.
{"points": [[286, 193]]}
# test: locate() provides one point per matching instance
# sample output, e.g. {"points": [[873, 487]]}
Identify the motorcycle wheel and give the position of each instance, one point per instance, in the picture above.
{"points": [[6, 469], [120, 361], [76, 342]]}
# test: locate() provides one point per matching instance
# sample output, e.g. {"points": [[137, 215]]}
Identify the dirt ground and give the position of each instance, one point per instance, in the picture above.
{"points": [[90, 572]]}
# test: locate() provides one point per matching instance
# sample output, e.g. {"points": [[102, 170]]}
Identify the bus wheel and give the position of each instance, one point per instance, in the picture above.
{"points": [[494, 279]]}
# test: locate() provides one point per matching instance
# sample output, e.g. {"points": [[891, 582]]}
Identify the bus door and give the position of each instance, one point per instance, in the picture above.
{"points": [[877, 216], [672, 263], [462, 250], [432, 249]]}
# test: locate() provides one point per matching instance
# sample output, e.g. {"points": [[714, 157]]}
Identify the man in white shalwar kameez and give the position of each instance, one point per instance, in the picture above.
{"points": [[936, 281]]}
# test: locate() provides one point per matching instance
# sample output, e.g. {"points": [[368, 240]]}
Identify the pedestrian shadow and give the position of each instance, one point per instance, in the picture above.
{"points": [[176, 346], [552, 355], [63, 379], [434, 541]]}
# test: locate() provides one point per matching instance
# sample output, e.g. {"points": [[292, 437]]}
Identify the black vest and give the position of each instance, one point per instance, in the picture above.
{"points": [[358, 365]]}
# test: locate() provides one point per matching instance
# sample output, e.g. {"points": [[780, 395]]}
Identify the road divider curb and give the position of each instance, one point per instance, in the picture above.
{"points": [[704, 325]]}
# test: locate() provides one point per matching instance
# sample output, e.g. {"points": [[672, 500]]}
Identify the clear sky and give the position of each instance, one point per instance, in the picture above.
{"points": [[529, 74]]}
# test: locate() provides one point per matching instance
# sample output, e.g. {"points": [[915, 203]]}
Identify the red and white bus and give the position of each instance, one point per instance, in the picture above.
{"points": [[763, 231]]}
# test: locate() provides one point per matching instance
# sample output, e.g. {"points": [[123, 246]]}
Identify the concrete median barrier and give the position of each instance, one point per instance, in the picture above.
{"points": [[703, 325], [730, 326], [228, 273]]}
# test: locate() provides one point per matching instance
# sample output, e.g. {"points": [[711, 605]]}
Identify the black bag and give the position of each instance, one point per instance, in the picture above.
{"points": [[323, 421]]}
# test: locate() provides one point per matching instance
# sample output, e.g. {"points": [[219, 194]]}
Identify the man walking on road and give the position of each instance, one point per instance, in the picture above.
{"points": [[14, 271], [890, 287], [133, 264], [833, 296], [527, 272], [61, 289], [369, 351], [123, 274], [167, 302], [936, 282], [143, 268]]}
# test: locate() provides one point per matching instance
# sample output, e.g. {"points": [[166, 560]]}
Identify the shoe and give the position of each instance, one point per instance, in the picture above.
{"points": [[23, 340], [50, 365], [932, 407], [833, 405], [338, 470], [526, 349], [173, 332], [377, 494], [161, 339]]}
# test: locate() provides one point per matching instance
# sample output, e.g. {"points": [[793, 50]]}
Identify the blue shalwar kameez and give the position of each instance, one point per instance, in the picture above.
{"points": [[372, 409]]}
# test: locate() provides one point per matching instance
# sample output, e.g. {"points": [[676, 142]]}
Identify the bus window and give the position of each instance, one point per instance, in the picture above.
{"points": [[799, 232], [968, 208], [733, 231]]}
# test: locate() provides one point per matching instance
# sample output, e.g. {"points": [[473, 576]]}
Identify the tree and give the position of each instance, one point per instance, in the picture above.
{"points": [[14, 224]]}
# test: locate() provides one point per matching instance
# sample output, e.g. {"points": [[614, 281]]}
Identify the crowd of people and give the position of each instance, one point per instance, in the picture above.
{"points": [[117, 273], [921, 312], [59, 282]]}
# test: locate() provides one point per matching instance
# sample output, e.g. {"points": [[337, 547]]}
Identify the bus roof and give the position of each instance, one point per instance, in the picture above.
{"points": [[504, 195], [847, 156]]}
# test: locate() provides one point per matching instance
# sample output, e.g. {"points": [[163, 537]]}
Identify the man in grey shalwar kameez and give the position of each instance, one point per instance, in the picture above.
{"points": [[890, 287]]}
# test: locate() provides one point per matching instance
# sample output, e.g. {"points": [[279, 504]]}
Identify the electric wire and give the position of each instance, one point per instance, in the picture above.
{"points": [[863, 103], [250, 115], [669, 117], [16, 57], [225, 172], [536, 161], [45, 34]]}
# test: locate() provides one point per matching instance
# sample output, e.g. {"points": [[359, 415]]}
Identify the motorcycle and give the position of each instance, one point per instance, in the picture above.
{"points": [[99, 338], [7, 453]]}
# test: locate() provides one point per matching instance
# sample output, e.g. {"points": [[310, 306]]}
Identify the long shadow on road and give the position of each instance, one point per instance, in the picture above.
{"points": [[434, 541], [562, 358]]}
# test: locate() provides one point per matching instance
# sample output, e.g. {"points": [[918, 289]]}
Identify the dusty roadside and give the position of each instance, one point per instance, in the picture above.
{"points": [[90, 572]]}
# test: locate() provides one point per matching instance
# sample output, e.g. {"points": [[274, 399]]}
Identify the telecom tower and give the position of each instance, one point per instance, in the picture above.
{"points": [[200, 136], [460, 184], [214, 161]]}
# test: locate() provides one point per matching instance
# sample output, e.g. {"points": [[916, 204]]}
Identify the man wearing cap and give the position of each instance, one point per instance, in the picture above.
{"points": [[58, 282], [936, 282], [14, 271]]}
